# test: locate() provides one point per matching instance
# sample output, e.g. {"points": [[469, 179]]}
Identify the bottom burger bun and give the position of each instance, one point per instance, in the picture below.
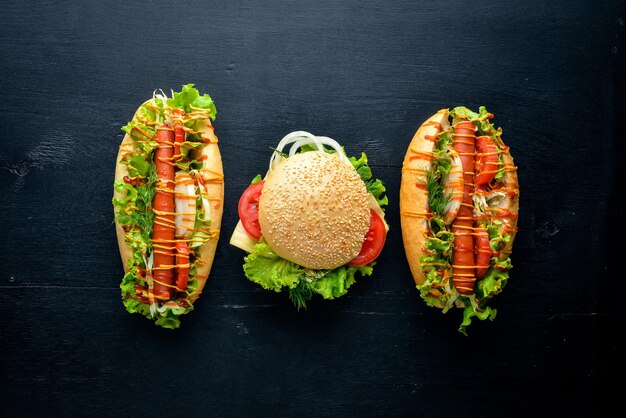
{"points": [[314, 210]]}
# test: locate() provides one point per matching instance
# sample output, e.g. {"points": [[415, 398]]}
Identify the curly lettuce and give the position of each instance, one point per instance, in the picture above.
{"points": [[190, 100], [272, 272], [373, 185]]}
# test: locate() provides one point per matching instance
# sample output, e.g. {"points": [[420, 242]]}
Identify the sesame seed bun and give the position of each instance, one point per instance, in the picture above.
{"points": [[314, 210]]}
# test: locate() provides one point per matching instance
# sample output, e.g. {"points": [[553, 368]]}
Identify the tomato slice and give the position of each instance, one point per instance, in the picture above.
{"points": [[374, 241], [248, 209], [486, 160]]}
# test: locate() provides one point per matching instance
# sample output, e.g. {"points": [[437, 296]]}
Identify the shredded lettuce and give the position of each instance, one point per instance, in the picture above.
{"points": [[128, 288], [436, 261], [497, 239]]}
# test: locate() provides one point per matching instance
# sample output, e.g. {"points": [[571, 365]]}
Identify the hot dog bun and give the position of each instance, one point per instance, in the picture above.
{"points": [[213, 174], [510, 182], [413, 199]]}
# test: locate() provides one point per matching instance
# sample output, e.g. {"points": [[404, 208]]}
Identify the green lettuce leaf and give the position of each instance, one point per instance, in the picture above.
{"points": [[497, 238], [167, 318], [436, 261], [189, 97], [470, 312], [256, 179], [138, 166], [479, 119], [266, 268], [373, 186], [128, 195], [170, 317], [189, 145], [495, 279], [336, 282], [134, 207], [144, 144], [443, 139], [201, 227], [328, 284], [189, 164]]}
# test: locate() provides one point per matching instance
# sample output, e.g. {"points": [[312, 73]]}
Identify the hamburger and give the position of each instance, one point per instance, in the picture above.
{"points": [[313, 222]]}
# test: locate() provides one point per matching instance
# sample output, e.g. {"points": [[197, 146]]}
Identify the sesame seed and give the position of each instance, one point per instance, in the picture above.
{"points": [[314, 210]]}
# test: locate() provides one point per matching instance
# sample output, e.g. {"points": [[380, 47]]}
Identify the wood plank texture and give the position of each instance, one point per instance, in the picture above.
{"points": [[366, 73]]}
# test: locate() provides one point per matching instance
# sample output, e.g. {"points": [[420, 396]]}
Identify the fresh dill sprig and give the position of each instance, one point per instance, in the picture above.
{"points": [[145, 215], [301, 294], [281, 153], [437, 197]]}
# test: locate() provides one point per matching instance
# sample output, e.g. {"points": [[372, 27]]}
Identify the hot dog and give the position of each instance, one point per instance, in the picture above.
{"points": [[168, 203], [459, 202]]}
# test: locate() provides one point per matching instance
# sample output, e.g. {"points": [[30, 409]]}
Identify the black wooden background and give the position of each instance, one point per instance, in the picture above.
{"points": [[366, 73]]}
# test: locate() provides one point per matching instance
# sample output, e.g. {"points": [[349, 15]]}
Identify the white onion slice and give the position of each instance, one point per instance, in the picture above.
{"points": [[298, 139]]}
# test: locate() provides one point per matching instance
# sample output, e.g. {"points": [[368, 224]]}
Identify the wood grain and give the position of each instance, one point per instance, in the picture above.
{"points": [[365, 73]]}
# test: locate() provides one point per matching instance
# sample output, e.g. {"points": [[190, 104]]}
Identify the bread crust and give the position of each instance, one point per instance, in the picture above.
{"points": [[510, 182], [414, 200], [213, 175]]}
